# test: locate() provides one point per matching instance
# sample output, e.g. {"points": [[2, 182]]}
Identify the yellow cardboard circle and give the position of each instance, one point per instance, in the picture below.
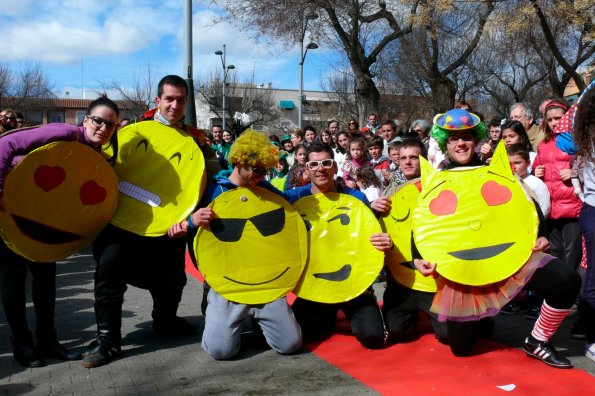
{"points": [[56, 201], [342, 262], [399, 225], [161, 173], [255, 249], [476, 224]]}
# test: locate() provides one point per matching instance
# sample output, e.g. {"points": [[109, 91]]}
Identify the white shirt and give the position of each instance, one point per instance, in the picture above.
{"points": [[541, 193]]}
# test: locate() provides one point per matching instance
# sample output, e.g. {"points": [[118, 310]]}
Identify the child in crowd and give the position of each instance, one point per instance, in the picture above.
{"points": [[357, 156], [380, 163], [519, 159], [278, 175], [513, 132], [395, 176], [343, 140], [368, 182], [295, 176]]}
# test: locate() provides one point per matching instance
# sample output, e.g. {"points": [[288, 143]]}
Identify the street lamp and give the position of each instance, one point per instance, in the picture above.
{"points": [[226, 69], [312, 46]]}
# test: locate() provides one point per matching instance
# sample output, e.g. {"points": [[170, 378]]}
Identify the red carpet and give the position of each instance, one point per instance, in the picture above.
{"points": [[426, 367]]}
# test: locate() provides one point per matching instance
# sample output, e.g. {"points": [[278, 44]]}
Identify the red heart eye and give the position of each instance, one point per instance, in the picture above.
{"points": [[91, 193], [494, 194], [444, 204], [49, 177]]}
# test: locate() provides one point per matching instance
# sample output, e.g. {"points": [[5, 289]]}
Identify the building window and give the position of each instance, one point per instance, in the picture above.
{"points": [[56, 116], [34, 116], [79, 117]]}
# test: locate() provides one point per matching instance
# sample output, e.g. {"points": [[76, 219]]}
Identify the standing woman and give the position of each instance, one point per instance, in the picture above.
{"points": [[584, 136], [327, 138], [554, 167], [98, 129], [309, 135]]}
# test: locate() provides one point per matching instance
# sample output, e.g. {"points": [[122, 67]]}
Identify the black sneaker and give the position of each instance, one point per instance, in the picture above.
{"points": [[513, 308], [99, 353], [545, 352], [533, 313], [25, 354]]}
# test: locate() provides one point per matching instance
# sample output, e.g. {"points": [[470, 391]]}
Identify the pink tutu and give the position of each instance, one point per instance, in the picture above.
{"points": [[464, 303]]}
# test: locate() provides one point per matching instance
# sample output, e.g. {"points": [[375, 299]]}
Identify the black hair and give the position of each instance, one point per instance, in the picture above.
{"points": [[173, 80], [104, 101], [375, 141], [519, 129], [518, 149], [318, 147]]}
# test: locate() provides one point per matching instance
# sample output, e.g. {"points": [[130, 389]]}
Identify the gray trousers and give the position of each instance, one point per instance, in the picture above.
{"points": [[221, 337]]}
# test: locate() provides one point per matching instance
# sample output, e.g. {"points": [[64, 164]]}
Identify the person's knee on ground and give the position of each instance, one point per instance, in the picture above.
{"points": [[463, 337]]}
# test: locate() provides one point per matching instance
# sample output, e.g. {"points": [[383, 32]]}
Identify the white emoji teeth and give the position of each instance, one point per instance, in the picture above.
{"points": [[140, 194]]}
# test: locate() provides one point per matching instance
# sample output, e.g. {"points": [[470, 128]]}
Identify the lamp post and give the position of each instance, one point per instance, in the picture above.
{"points": [[226, 69], [312, 46]]}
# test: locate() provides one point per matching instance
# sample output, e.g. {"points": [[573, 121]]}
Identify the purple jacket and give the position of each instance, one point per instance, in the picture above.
{"points": [[14, 146]]}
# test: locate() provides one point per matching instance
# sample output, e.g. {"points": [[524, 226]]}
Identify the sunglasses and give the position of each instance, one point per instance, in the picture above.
{"points": [[326, 164], [100, 122], [258, 171], [10, 118], [230, 230]]}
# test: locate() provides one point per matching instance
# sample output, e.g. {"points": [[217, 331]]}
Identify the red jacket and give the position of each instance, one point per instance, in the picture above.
{"points": [[565, 203]]}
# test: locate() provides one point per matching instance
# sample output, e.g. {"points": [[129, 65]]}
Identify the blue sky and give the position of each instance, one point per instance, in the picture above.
{"points": [[87, 42]]}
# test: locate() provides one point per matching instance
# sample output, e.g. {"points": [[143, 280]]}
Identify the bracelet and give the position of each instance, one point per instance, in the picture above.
{"points": [[191, 224]]}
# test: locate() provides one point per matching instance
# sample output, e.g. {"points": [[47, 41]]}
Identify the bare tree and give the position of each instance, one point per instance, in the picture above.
{"points": [[360, 29], [246, 97], [569, 31], [28, 82], [140, 95]]}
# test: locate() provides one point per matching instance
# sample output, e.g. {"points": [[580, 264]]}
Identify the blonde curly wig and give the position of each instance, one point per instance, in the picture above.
{"points": [[254, 149]]}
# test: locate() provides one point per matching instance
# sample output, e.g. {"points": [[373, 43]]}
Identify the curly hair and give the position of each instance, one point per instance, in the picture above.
{"points": [[441, 135], [584, 124], [254, 149]]}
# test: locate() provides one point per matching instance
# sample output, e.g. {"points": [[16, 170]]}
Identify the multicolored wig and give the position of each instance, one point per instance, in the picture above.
{"points": [[457, 120]]}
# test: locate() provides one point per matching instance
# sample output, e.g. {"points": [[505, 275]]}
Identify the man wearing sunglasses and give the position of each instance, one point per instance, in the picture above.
{"points": [[252, 155], [317, 319]]}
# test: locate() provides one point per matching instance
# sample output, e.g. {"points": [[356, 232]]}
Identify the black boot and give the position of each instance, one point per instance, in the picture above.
{"points": [[49, 347], [24, 353], [107, 345]]}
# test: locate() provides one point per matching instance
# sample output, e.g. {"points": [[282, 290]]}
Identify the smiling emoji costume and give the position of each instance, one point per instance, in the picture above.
{"points": [[56, 200]]}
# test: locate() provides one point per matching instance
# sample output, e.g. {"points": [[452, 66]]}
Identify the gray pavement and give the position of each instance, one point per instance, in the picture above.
{"points": [[151, 364]]}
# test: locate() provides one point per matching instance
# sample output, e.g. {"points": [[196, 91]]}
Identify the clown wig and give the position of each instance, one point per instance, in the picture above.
{"points": [[254, 149]]}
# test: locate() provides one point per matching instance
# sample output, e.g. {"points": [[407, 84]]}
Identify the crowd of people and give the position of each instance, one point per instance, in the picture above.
{"points": [[552, 160]]}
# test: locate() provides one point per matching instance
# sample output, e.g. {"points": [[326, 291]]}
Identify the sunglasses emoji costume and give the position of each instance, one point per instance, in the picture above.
{"points": [[255, 248], [477, 224], [56, 200], [161, 172], [342, 262]]}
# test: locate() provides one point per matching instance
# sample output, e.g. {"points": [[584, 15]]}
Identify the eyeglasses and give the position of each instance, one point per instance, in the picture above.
{"points": [[258, 171], [100, 122], [466, 137], [352, 123], [326, 164]]}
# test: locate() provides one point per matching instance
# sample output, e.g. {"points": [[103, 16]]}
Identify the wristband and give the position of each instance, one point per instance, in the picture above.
{"points": [[191, 224]]}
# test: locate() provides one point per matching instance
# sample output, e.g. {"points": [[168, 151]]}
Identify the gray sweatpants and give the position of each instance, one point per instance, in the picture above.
{"points": [[221, 337]]}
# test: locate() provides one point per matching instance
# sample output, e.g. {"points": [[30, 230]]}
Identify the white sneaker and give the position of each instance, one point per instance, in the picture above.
{"points": [[590, 351]]}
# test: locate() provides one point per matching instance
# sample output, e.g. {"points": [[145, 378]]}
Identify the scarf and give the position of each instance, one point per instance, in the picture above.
{"points": [[160, 119]]}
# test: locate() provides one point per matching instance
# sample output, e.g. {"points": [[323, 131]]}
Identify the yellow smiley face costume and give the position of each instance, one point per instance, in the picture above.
{"points": [[342, 263], [255, 249], [161, 173], [476, 224], [399, 224], [56, 200]]}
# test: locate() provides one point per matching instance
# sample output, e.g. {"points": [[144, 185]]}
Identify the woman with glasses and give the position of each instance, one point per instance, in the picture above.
{"points": [[98, 129]]}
